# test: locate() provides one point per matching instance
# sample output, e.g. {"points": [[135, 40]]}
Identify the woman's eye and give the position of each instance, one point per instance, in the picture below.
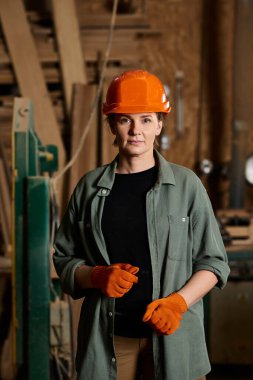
{"points": [[146, 120], [124, 120]]}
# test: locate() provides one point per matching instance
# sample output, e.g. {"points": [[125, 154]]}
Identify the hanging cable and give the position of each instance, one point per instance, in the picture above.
{"points": [[203, 52], [95, 103]]}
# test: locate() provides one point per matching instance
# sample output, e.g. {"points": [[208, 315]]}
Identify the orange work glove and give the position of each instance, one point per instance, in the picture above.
{"points": [[114, 280], [164, 315]]}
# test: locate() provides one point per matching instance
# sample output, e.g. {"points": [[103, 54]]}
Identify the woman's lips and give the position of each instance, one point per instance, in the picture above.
{"points": [[135, 142]]}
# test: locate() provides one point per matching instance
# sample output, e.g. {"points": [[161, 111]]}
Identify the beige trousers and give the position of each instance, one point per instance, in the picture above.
{"points": [[135, 358]]}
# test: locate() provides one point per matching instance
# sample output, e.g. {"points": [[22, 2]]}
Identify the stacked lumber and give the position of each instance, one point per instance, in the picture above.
{"points": [[93, 39], [238, 224], [93, 35]]}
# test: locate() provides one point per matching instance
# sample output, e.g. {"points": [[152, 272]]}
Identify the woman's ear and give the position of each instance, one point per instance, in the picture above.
{"points": [[159, 127]]}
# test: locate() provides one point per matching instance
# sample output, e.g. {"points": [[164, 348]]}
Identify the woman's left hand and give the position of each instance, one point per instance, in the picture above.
{"points": [[164, 315]]}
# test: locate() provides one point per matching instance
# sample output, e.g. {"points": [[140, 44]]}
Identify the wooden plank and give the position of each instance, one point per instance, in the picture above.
{"points": [[98, 20], [5, 210], [125, 33], [118, 53], [52, 74], [5, 264], [233, 213], [103, 20], [236, 247], [238, 232], [69, 45], [28, 72], [83, 97]]}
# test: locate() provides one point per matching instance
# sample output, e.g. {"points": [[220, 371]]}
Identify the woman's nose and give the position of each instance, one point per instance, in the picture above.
{"points": [[135, 128]]}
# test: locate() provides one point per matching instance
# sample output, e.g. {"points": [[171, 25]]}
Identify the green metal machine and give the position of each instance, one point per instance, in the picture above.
{"points": [[33, 165]]}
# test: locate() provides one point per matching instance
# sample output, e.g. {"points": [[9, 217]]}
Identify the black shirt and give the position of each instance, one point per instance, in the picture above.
{"points": [[124, 227]]}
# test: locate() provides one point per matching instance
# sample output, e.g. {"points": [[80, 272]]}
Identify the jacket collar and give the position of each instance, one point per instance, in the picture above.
{"points": [[165, 172]]}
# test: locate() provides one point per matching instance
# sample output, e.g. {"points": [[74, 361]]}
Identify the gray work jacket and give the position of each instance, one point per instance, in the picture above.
{"points": [[183, 238]]}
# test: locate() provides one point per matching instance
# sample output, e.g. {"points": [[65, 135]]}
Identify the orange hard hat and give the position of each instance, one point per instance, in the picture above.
{"points": [[136, 91]]}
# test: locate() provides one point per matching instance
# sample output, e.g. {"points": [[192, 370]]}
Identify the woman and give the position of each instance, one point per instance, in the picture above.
{"points": [[139, 240]]}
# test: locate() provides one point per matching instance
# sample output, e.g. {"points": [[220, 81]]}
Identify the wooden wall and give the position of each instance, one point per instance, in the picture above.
{"points": [[196, 39]]}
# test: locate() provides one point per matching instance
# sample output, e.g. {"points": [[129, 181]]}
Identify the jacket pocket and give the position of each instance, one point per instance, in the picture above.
{"points": [[178, 237]]}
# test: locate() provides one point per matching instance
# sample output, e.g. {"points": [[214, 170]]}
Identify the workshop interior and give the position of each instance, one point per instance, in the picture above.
{"points": [[57, 57]]}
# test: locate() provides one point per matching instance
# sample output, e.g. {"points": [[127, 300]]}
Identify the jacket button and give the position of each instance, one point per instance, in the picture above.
{"points": [[104, 191], [113, 360], [183, 219], [110, 314]]}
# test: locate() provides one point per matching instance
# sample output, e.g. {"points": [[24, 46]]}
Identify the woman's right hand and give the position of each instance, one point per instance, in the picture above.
{"points": [[114, 280]]}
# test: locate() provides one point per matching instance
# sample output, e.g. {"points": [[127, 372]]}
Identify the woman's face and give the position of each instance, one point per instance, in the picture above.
{"points": [[136, 133]]}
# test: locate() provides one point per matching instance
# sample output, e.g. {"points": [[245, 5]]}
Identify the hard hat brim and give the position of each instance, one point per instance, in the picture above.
{"points": [[128, 109]]}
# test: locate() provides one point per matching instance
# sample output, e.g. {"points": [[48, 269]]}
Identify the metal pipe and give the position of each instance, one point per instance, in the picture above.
{"points": [[242, 107]]}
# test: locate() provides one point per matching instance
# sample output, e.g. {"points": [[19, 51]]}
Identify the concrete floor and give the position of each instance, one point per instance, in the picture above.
{"points": [[231, 372]]}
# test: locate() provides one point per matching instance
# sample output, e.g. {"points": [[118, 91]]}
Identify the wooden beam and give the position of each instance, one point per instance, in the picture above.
{"points": [[83, 96], [101, 20], [69, 45], [29, 73]]}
